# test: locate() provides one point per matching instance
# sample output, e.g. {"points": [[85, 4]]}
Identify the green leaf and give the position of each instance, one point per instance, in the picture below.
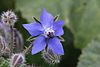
{"points": [[90, 56], [4, 62], [84, 21]]}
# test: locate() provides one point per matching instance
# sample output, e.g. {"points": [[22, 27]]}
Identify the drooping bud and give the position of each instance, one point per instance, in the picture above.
{"points": [[17, 41], [50, 57], [17, 60], [9, 18]]}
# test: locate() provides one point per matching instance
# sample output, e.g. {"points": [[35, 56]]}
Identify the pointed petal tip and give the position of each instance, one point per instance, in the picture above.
{"points": [[24, 25], [60, 53], [44, 9], [56, 46], [33, 53], [60, 22], [46, 18]]}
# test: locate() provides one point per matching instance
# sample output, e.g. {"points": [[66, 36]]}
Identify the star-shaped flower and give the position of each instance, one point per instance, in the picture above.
{"points": [[47, 31]]}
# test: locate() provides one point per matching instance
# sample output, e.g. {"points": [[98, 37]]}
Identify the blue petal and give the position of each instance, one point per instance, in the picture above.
{"points": [[39, 44], [34, 28], [57, 26], [55, 45], [46, 18]]}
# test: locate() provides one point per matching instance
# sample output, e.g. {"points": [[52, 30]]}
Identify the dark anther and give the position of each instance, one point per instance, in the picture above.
{"points": [[50, 34]]}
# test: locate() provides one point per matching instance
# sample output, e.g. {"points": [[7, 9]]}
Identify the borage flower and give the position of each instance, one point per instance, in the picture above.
{"points": [[47, 32]]}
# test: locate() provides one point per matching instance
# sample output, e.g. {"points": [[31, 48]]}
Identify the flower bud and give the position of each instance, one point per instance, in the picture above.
{"points": [[17, 41], [9, 18], [50, 57], [17, 60]]}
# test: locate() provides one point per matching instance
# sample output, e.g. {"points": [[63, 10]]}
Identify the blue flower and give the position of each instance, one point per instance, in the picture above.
{"points": [[47, 32]]}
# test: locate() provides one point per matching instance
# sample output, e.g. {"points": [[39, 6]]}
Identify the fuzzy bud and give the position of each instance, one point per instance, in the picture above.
{"points": [[9, 18], [17, 41], [17, 60], [50, 57]]}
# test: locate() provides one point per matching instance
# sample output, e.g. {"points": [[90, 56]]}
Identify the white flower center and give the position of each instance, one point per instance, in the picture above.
{"points": [[49, 32]]}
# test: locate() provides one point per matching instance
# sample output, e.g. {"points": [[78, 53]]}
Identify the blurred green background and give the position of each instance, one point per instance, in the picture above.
{"points": [[82, 28]]}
